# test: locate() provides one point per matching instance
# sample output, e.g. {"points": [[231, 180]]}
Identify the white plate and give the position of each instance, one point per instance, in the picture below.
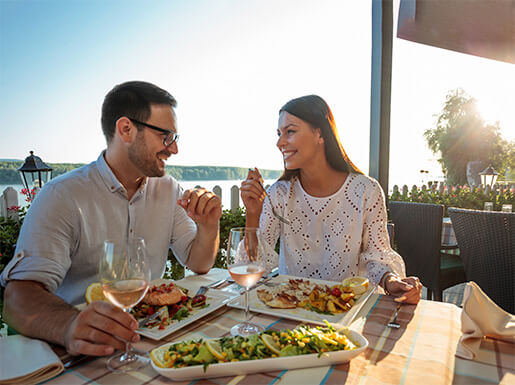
{"points": [[264, 365], [300, 314], [215, 298]]}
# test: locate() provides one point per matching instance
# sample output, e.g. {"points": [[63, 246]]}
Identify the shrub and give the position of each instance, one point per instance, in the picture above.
{"points": [[457, 196], [174, 270]]}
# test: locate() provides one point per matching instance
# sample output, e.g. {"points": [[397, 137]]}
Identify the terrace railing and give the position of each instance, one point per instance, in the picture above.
{"points": [[10, 197]]}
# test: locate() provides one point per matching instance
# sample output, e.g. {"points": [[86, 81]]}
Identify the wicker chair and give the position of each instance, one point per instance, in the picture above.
{"points": [[418, 235], [487, 247]]}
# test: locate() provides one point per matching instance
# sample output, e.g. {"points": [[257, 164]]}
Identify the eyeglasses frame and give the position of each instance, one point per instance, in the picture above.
{"points": [[170, 134]]}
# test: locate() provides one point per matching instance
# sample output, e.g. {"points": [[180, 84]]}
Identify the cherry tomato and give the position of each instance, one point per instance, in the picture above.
{"points": [[198, 299], [336, 292]]}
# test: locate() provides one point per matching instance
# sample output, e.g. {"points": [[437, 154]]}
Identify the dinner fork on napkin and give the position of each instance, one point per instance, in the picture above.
{"points": [[481, 317]]}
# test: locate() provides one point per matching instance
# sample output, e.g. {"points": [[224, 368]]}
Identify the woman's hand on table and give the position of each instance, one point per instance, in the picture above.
{"points": [[406, 290], [100, 329]]}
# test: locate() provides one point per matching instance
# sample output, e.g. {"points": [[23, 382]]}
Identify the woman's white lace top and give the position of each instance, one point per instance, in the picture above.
{"points": [[333, 237]]}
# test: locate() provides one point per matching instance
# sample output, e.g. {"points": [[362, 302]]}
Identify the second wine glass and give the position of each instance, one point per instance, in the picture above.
{"points": [[245, 261], [125, 275]]}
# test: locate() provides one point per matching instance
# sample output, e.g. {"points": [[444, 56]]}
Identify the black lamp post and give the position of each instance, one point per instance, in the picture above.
{"points": [[34, 172], [488, 176]]}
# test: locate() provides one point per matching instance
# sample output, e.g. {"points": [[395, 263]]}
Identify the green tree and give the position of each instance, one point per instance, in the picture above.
{"points": [[461, 135]]}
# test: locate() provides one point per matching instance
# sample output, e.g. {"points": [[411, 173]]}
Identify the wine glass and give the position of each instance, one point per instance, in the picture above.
{"points": [[245, 262], [125, 275]]}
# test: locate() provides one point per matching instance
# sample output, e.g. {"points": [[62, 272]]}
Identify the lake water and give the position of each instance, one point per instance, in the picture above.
{"points": [[225, 185]]}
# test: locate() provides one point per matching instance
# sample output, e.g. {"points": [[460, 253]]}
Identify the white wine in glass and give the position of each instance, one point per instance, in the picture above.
{"points": [[125, 275], [245, 262]]}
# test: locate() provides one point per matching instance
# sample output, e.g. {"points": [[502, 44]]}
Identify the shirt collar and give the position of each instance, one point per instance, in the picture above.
{"points": [[107, 175], [110, 180]]}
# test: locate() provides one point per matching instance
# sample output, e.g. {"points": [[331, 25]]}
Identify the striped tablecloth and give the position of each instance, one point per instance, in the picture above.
{"points": [[421, 352]]}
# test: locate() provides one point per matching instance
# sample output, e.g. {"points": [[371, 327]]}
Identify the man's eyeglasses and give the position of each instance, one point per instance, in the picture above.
{"points": [[170, 135]]}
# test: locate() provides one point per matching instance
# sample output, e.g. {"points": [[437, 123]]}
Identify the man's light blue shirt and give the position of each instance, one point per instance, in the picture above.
{"points": [[62, 237]]}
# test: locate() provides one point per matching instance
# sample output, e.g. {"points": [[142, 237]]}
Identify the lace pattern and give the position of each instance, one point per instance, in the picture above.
{"points": [[330, 238]]}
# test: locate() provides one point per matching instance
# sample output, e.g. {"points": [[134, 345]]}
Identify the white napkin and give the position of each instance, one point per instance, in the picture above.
{"points": [[27, 361], [197, 280], [481, 317]]}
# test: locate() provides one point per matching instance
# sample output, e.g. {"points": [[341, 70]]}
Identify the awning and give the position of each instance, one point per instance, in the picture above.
{"points": [[483, 28]]}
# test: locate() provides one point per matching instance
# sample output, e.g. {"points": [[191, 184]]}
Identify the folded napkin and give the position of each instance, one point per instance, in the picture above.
{"points": [[481, 317], [27, 361]]}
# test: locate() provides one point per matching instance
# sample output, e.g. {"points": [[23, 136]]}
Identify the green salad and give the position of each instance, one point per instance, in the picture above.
{"points": [[268, 344]]}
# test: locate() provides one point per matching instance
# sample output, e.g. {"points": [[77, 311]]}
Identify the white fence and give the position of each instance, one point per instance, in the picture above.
{"points": [[442, 188], [9, 197]]}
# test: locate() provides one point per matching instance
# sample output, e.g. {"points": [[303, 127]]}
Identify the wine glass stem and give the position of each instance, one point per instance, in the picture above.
{"points": [[246, 304], [128, 347]]}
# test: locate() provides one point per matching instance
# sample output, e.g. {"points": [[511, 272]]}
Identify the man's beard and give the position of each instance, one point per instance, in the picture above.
{"points": [[146, 162]]}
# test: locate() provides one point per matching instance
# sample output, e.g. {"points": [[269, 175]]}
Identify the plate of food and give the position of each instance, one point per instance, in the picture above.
{"points": [[309, 300], [176, 303], [268, 351]]}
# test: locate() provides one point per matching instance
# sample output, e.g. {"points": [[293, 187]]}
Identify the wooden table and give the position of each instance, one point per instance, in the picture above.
{"points": [[421, 352]]}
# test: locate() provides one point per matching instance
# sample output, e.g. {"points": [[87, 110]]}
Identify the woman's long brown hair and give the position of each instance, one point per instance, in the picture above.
{"points": [[315, 111]]}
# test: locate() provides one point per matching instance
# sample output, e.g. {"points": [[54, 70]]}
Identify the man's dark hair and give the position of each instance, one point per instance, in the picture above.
{"points": [[133, 100]]}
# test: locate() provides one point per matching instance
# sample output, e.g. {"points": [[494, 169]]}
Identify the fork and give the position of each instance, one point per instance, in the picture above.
{"points": [[152, 317], [204, 289], [394, 324], [274, 211]]}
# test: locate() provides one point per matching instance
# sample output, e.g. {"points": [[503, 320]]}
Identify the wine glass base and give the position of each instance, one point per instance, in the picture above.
{"points": [[128, 361], [245, 329]]}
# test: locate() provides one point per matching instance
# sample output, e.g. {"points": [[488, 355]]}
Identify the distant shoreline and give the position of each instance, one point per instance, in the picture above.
{"points": [[9, 172]]}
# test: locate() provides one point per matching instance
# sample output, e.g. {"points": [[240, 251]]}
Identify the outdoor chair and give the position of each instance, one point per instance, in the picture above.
{"points": [[487, 247], [418, 236]]}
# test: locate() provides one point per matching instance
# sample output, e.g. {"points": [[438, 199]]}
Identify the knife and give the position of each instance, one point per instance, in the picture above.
{"points": [[76, 360], [146, 320]]}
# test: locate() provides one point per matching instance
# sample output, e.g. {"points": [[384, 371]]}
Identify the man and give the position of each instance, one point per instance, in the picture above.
{"points": [[123, 194]]}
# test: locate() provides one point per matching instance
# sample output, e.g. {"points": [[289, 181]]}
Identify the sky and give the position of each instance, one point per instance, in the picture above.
{"points": [[231, 65]]}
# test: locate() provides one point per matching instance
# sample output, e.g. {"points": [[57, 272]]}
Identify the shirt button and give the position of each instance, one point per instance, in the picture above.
{"points": [[131, 230]]}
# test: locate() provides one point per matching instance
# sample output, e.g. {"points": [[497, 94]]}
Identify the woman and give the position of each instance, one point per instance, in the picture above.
{"points": [[337, 215]]}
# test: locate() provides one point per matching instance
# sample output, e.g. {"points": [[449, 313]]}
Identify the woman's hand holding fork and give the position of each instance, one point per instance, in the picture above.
{"points": [[253, 194]]}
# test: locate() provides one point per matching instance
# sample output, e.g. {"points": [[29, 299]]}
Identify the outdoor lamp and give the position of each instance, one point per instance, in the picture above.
{"points": [[34, 172], [488, 176]]}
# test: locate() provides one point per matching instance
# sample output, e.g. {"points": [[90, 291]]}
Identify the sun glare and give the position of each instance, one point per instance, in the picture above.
{"points": [[498, 109]]}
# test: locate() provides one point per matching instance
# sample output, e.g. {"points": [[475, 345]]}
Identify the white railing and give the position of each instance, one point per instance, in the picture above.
{"points": [[9, 196], [8, 199], [442, 188]]}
